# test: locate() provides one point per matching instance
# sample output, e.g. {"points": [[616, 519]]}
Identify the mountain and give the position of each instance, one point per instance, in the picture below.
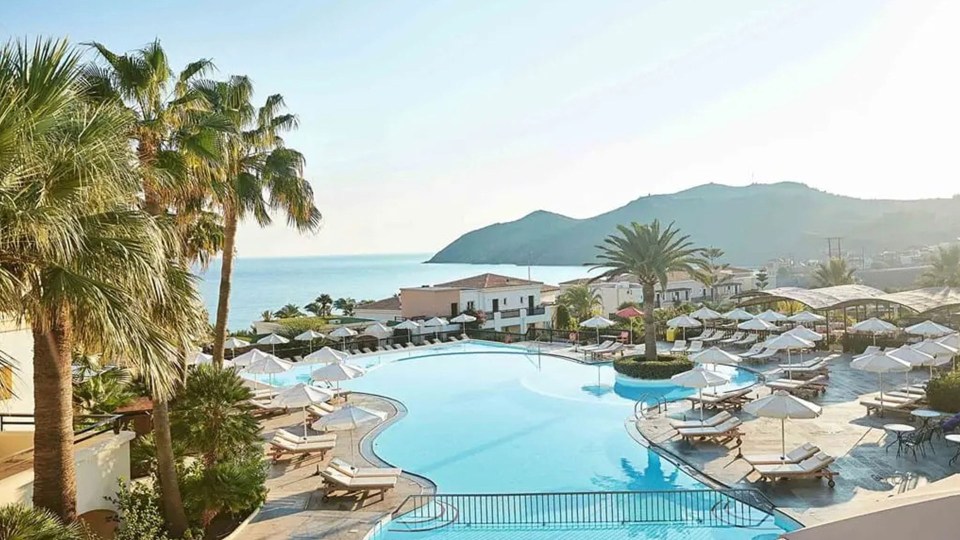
{"points": [[751, 223]]}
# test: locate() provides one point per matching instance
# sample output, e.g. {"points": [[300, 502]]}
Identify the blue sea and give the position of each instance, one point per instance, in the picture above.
{"points": [[261, 284]]}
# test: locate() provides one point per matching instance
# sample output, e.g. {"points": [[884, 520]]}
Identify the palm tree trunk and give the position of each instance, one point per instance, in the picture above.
{"points": [[173, 511], [649, 323], [55, 474], [226, 275]]}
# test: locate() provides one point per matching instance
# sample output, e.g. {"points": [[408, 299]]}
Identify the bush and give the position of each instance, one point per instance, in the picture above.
{"points": [[856, 343], [140, 515], [662, 368], [943, 393], [234, 487], [20, 521]]}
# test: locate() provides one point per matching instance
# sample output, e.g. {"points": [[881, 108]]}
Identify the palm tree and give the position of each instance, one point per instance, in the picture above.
{"points": [[75, 259], [321, 305], [266, 315], [832, 273], [255, 162], [580, 301], [762, 279], [288, 311], [345, 305], [714, 274], [944, 269], [648, 254]]}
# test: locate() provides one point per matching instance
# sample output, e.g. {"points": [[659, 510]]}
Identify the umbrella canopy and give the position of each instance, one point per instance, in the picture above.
{"points": [[349, 417], [715, 355], [199, 358], [251, 357], [337, 372], [874, 325], [806, 317], [782, 405], [326, 355], [436, 321], [309, 335], [880, 363], [950, 340], [272, 339], [788, 342], [463, 318], [757, 324], [301, 395], [699, 378], [343, 332], [738, 314], [235, 343], [914, 357], [408, 325], [935, 348], [929, 329], [629, 312], [378, 330], [772, 316], [803, 332], [684, 321], [597, 322], [705, 314], [268, 365]]}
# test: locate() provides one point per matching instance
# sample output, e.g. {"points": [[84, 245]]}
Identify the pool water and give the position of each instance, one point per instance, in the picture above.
{"points": [[494, 419]]}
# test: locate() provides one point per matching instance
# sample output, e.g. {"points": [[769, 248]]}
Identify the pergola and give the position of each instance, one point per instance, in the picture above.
{"points": [[919, 301]]}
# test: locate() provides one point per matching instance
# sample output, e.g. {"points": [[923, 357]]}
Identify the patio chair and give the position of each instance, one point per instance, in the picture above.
{"points": [[714, 420], [737, 336], [605, 345], [915, 441], [679, 346], [695, 347], [720, 434], [733, 399], [336, 482], [798, 454], [310, 439], [281, 447], [812, 386], [813, 467], [747, 340], [755, 349], [362, 472]]}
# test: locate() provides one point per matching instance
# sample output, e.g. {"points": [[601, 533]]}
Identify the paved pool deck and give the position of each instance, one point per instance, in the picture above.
{"points": [[868, 471]]}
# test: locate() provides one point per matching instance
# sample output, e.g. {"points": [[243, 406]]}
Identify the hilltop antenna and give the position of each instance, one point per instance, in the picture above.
{"points": [[830, 240]]}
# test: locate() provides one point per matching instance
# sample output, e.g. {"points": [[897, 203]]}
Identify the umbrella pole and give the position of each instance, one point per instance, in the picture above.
{"points": [[598, 335], [783, 439], [700, 391], [304, 421], [880, 374]]}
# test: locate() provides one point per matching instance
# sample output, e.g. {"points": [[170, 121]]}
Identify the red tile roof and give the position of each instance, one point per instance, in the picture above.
{"points": [[392, 303], [487, 281]]}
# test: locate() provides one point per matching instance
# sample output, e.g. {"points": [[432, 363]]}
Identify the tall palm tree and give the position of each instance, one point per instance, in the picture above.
{"points": [[832, 273], [648, 254], [580, 301], [77, 259], [714, 274], [258, 174], [944, 269]]}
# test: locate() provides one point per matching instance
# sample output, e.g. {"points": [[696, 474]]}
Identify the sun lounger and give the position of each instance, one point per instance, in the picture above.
{"points": [[914, 389], [717, 336], [747, 340], [434, 341], [361, 472], [737, 336], [734, 399], [366, 350], [319, 410], [452, 339], [338, 482], [889, 403], [298, 358], [764, 355], [706, 334], [695, 347], [261, 407], [589, 348], [812, 467], [721, 433], [815, 385], [614, 348], [798, 454], [282, 447], [755, 349], [807, 368], [714, 420], [679, 346], [311, 439], [463, 337], [872, 349], [354, 351], [409, 345]]}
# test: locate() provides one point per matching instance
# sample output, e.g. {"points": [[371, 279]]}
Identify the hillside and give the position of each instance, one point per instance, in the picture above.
{"points": [[751, 223]]}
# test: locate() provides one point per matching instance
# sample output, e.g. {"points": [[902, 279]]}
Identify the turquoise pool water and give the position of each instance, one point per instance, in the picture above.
{"points": [[495, 419]]}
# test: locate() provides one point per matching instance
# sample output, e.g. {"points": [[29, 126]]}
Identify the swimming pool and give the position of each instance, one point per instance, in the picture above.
{"points": [[487, 418]]}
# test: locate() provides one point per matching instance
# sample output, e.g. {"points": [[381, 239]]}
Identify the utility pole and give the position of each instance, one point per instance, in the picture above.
{"points": [[830, 240]]}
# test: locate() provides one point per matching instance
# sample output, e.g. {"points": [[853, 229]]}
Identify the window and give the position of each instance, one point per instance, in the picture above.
{"points": [[470, 305], [504, 301]]}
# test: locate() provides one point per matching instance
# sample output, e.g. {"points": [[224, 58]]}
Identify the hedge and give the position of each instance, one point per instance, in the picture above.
{"points": [[943, 393], [661, 368], [856, 343]]}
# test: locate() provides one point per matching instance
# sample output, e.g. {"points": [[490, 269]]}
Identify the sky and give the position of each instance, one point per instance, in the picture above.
{"points": [[424, 119]]}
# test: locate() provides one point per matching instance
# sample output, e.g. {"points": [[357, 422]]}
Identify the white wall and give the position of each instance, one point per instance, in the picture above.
{"points": [[509, 297], [17, 343], [382, 315]]}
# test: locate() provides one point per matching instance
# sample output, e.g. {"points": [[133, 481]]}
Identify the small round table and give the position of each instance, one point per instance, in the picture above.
{"points": [[954, 438], [925, 415], [900, 430]]}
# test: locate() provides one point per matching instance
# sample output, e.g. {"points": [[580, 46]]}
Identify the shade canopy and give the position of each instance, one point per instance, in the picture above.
{"points": [[337, 372], [684, 321], [349, 417], [251, 357], [706, 314], [434, 322], [343, 332], [408, 325], [803, 332], [874, 325], [782, 405], [301, 395], [309, 335], [880, 363], [326, 355], [715, 355], [198, 358], [699, 377], [463, 318], [272, 339], [929, 328], [738, 314], [597, 322], [757, 324], [950, 340], [629, 312], [378, 330], [235, 343], [935, 348], [788, 342], [806, 317], [772, 316], [914, 357], [268, 366]]}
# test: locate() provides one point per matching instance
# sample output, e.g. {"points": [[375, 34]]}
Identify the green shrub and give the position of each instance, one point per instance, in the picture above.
{"points": [[140, 515], [943, 393], [662, 368], [20, 521]]}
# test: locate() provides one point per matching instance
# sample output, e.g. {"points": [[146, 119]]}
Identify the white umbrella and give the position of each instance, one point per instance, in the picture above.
{"points": [[874, 326], [936, 349], [251, 357], [803, 332], [597, 322], [436, 323], [929, 329], [880, 363], [268, 365], [235, 343], [788, 342], [326, 355], [757, 324], [805, 317], [706, 314], [684, 321], [772, 316], [348, 418], [463, 319], [916, 357], [198, 358], [343, 332], [378, 330], [410, 326], [715, 355], [272, 340], [950, 340], [782, 405], [301, 395], [309, 335], [738, 314], [699, 378], [337, 372]]}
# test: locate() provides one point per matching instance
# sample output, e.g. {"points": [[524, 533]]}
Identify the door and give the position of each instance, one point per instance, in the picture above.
{"points": [[453, 309], [496, 305], [530, 303]]}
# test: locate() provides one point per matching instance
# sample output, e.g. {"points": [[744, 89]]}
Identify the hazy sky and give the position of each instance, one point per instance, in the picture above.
{"points": [[423, 119]]}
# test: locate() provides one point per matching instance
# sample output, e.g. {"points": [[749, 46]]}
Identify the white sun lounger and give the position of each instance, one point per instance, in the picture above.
{"points": [[755, 349], [737, 336], [282, 447], [707, 334], [695, 347], [714, 420], [815, 385], [764, 355], [338, 482], [590, 348], [309, 439], [749, 339], [361, 472], [725, 431], [717, 336], [679, 346], [813, 467], [798, 454]]}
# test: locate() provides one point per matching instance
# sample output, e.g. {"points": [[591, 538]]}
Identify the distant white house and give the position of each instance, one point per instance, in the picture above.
{"points": [[385, 310]]}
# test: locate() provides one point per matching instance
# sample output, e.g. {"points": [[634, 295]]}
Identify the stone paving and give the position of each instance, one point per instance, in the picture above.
{"points": [[868, 471]]}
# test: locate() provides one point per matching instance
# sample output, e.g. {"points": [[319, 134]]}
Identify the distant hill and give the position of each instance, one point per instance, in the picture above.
{"points": [[752, 224]]}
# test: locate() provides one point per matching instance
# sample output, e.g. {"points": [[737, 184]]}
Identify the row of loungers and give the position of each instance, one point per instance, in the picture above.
{"points": [[903, 400], [607, 347], [731, 399], [800, 387], [680, 346]]}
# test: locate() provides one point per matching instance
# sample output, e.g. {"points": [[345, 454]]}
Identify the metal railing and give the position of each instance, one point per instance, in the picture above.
{"points": [[85, 426], [699, 508]]}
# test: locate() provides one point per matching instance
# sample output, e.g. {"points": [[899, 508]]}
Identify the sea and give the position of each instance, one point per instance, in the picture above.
{"points": [[269, 283]]}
